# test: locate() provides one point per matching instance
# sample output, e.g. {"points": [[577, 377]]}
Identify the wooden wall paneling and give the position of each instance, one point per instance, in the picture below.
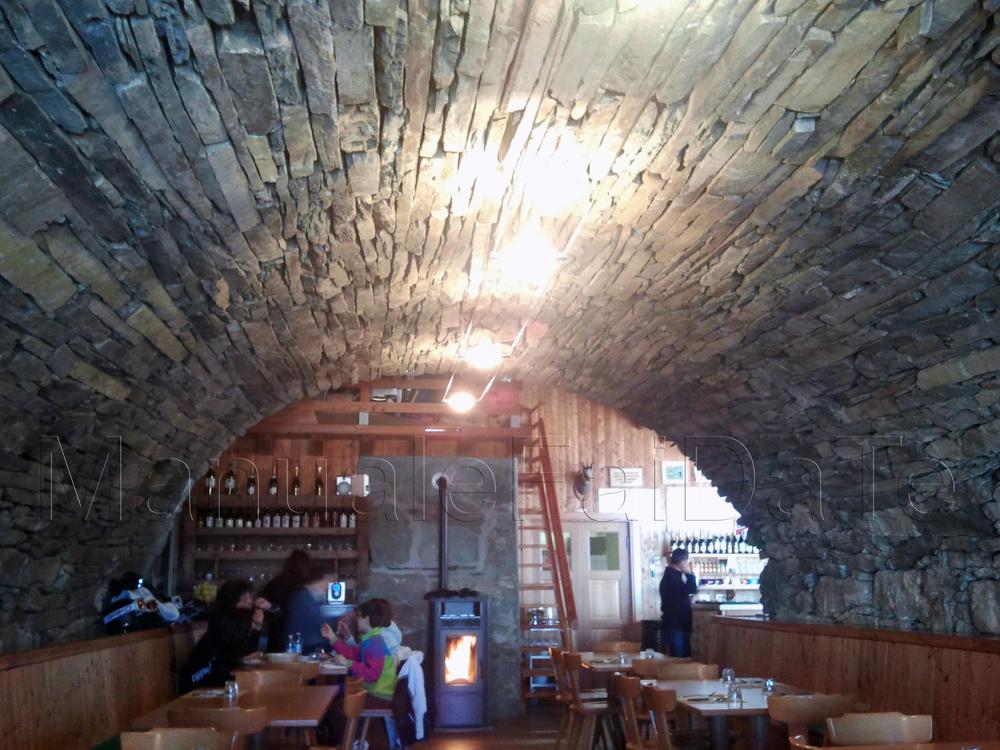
{"points": [[890, 671], [75, 695]]}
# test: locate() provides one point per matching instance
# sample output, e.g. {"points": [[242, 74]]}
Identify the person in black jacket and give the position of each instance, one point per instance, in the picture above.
{"points": [[279, 591], [233, 632], [677, 588]]}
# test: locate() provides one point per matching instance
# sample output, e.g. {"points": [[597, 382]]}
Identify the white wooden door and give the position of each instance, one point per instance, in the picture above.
{"points": [[602, 579]]}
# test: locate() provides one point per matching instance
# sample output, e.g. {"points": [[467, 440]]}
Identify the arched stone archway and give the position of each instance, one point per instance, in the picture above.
{"points": [[788, 236]]}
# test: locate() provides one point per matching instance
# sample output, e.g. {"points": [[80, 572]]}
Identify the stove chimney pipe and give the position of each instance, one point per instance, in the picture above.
{"points": [[442, 484]]}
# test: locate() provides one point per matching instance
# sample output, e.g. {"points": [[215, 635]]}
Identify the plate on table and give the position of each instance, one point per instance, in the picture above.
{"points": [[207, 693], [704, 698], [604, 660], [282, 656]]}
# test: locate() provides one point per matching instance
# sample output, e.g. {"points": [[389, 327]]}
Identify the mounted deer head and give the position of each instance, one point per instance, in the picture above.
{"points": [[584, 481]]}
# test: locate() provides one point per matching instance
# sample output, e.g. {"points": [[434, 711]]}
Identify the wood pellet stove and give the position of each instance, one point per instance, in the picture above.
{"points": [[459, 644]]}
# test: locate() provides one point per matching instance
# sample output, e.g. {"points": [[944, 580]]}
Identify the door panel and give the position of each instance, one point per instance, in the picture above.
{"points": [[601, 579]]}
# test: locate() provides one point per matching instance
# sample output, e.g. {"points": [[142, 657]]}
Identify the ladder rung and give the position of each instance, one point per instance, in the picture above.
{"points": [[533, 546], [537, 586], [533, 527], [542, 566]]}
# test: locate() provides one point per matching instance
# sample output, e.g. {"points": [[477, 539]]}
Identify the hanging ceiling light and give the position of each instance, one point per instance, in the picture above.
{"points": [[461, 401]]}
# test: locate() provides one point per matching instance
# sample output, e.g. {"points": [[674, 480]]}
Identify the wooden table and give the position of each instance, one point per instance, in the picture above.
{"points": [[753, 708], [612, 666], [299, 706]]}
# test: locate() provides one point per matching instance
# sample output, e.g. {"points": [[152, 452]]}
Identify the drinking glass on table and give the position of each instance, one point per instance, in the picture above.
{"points": [[729, 675], [232, 690], [768, 686], [623, 658]]}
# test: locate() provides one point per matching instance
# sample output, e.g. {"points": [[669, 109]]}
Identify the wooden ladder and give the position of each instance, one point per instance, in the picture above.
{"points": [[540, 534]]}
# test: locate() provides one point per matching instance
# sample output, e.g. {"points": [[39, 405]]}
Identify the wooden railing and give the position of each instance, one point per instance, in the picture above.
{"points": [[76, 695], [953, 678]]}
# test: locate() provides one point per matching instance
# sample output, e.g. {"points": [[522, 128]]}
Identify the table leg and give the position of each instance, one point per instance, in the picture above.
{"points": [[760, 732], [718, 732]]}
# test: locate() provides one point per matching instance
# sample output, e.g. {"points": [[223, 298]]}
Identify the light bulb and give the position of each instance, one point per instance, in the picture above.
{"points": [[461, 401], [528, 260]]}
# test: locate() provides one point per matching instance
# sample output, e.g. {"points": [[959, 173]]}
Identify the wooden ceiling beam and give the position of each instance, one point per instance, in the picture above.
{"points": [[484, 408], [430, 431]]}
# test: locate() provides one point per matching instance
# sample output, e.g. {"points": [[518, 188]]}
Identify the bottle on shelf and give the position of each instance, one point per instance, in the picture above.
{"points": [[240, 520], [229, 481], [210, 481], [265, 519], [296, 484], [296, 520], [276, 519], [315, 519], [272, 485], [210, 519], [286, 520], [230, 519], [252, 483], [342, 520], [319, 481]]}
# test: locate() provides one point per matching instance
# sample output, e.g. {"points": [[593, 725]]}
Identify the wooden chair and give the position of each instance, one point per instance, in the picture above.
{"points": [[879, 729], [799, 711], [239, 721], [616, 647], [354, 703], [592, 715], [251, 679], [629, 692], [688, 671], [661, 704], [649, 669], [177, 739], [801, 742], [564, 694]]}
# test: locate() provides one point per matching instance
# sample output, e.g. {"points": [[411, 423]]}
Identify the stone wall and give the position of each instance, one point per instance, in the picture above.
{"points": [[482, 553], [787, 230]]}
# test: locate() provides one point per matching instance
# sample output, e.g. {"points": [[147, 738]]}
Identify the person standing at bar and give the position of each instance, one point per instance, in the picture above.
{"points": [[677, 588]]}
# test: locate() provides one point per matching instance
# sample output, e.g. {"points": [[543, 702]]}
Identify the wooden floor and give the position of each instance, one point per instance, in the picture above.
{"points": [[536, 729]]}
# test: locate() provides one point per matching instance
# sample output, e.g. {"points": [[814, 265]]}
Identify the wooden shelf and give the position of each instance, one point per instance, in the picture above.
{"points": [[720, 555], [254, 531], [275, 554], [292, 502]]}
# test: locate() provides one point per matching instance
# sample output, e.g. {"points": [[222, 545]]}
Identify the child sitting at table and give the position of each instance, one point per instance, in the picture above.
{"points": [[370, 659]]}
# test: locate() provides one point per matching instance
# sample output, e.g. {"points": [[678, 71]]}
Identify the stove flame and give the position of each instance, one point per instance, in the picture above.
{"points": [[460, 660]]}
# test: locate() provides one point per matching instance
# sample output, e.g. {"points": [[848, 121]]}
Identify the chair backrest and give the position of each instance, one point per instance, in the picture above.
{"points": [[799, 711], [646, 668], [688, 671], [661, 704], [240, 721], [572, 664], [177, 739], [251, 679], [800, 742], [354, 704], [559, 671], [616, 647], [629, 691], [879, 729]]}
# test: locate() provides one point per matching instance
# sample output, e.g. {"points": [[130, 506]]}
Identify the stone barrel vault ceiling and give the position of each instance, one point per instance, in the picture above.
{"points": [[779, 221]]}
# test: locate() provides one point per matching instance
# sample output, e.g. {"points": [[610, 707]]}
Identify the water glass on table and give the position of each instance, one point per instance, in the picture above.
{"points": [[232, 690], [729, 675]]}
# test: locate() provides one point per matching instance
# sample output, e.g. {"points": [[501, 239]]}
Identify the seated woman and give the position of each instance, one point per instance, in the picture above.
{"points": [[233, 632], [370, 659], [304, 617]]}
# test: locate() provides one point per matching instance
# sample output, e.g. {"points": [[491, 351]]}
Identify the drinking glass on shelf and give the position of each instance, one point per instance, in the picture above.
{"points": [[729, 675]]}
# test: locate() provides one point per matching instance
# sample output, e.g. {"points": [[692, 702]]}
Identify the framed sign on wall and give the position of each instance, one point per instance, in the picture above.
{"points": [[624, 476]]}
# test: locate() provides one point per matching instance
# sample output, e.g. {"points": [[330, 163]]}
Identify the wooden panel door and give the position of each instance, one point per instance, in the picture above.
{"points": [[602, 580]]}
